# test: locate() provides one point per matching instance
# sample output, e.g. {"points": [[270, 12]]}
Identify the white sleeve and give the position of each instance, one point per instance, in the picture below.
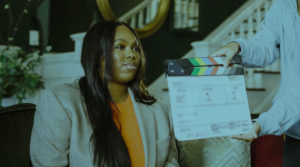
{"points": [[262, 49], [284, 113]]}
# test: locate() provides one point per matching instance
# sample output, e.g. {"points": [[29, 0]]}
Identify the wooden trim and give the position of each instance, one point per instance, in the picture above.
{"points": [[149, 29], [105, 10]]}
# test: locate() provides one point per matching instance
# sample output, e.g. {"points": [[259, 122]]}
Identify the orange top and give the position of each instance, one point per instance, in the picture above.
{"points": [[125, 120]]}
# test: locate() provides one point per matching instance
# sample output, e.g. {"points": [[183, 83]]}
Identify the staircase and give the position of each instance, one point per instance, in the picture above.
{"points": [[261, 83]]}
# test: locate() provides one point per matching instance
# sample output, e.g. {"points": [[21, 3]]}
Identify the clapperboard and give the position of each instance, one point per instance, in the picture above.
{"points": [[207, 99]]}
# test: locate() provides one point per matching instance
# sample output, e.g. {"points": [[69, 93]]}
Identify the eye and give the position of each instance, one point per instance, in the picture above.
{"points": [[136, 49], [121, 47]]}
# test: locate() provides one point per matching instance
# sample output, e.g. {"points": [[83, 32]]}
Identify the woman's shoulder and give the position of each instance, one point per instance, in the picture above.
{"points": [[59, 103], [65, 94], [65, 90]]}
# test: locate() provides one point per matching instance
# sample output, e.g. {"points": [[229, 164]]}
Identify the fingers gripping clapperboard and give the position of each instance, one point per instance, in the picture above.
{"points": [[207, 99]]}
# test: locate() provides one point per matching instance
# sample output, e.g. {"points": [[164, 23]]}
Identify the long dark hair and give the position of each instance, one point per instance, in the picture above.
{"points": [[109, 147]]}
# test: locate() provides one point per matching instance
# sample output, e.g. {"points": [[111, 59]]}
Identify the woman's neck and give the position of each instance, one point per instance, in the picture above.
{"points": [[118, 92]]}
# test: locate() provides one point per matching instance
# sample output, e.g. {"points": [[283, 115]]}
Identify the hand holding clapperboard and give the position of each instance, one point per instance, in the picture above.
{"points": [[207, 99]]}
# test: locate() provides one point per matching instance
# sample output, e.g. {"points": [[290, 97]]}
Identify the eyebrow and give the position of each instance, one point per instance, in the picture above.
{"points": [[124, 40], [120, 40]]}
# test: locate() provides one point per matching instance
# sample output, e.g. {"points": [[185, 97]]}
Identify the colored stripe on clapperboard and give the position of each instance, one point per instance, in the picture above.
{"points": [[206, 71], [203, 61], [201, 66]]}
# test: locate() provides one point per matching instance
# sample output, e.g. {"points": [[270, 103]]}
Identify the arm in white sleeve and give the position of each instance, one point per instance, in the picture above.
{"points": [[262, 49], [50, 137], [284, 113]]}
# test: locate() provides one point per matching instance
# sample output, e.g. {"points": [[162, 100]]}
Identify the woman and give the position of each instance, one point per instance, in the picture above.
{"points": [[281, 27], [107, 118]]}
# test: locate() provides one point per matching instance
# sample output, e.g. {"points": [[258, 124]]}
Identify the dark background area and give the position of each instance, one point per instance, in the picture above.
{"points": [[73, 16]]}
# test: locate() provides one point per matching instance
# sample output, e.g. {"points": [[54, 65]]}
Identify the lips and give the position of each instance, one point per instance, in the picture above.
{"points": [[130, 66]]}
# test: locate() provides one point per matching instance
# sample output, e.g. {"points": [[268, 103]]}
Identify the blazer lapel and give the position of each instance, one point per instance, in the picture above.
{"points": [[146, 123]]}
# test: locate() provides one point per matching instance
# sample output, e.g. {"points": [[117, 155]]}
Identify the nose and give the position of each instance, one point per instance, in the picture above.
{"points": [[130, 54]]}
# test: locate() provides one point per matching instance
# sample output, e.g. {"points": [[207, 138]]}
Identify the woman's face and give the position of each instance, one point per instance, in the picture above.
{"points": [[126, 56]]}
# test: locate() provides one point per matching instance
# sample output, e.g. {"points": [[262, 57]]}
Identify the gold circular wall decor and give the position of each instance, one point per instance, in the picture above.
{"points": [[149, 29]]}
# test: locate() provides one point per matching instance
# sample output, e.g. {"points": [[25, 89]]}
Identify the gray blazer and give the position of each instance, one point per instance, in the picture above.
{"points": [[61, 132]]}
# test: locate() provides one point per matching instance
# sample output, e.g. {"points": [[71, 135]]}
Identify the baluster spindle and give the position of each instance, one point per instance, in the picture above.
{"points": [[177, 15], [258, 19], [232, 35], [196, 16], [148, 14], [250, 78], [191, 13], [258, 81], [250, 33], [185, 5], [140, 19], [154, 8], [241, 31], [133, 22]]}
